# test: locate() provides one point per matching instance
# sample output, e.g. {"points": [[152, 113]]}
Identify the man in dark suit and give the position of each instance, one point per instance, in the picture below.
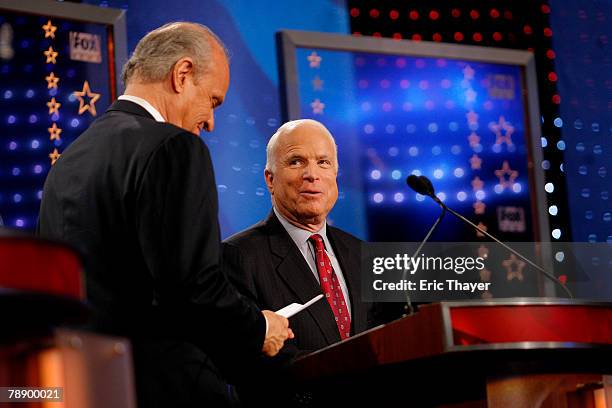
{"points": [[136, 193], [294, 255]]}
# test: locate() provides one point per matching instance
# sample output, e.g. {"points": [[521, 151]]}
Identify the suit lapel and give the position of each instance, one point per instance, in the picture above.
{"points": [[297, 275]]}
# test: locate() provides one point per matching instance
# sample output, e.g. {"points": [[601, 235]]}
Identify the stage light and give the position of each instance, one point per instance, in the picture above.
{"points": [[417, 172], [374, 13], [35, 144], [556, 99], [553, 210], [12, 145], [441, 195], [419, 197], [437, 37], [556, 233], [414, 15], [497, 36], [354, 12], [458, 36], [375, 175], [550, 54], [416, 37], [38, 169], [480, 194], [498, 188], [393, 14], [396, 174], [378, 198], [8, 94], [474, 14], [552, 77], [560, 256], [561, 145], [558, 122], [544, 141], [436, 150], [459, 172], [16, 171], [580, 147], [477, 37], [548, 32], [33, 119], [438, 173], [461, 196], [393, 151], [11, 119], [456, 13], [398, 197], [17, 198], [549, 187], [494, 13], [527, 29], [397, 36], [588, 214], [434, 15]]}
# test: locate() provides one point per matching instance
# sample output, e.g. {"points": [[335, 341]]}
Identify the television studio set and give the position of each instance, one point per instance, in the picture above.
{"points": [[393, 203]]}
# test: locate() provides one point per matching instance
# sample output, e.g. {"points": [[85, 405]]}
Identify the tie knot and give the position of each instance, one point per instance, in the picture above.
{"points": [[318, 241]]}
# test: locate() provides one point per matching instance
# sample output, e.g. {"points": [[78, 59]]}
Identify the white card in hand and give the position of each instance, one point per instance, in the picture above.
{"points": [[295, 308]]}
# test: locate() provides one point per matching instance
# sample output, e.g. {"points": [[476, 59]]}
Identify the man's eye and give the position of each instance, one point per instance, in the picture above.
{"points": [[295, 162], [325, 163]]}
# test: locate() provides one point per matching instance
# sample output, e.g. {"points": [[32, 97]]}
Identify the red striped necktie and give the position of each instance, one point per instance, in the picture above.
{"points": [[331, 288]]}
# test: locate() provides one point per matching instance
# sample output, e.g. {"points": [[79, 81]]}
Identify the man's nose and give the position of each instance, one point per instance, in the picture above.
{"points": [[311, 172], [209, 125]]}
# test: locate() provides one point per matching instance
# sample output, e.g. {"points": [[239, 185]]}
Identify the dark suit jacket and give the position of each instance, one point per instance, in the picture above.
{"points": [[138, 197], [266, 265]]}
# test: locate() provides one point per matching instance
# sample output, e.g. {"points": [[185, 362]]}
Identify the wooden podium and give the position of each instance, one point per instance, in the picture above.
{"points": [[502, 353]]}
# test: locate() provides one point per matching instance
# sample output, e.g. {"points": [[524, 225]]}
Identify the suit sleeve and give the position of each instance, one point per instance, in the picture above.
{"points": [[176, 219]]}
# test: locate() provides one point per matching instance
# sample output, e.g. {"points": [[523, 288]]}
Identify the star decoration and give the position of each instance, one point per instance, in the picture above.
{"points": [[497, 129], [485, 275], [54, 156], [475, 162], [474, 139], [477, 184], [317, 84], [472, 117], [53, 106], [54, 132], [514, 268], [482, 227], [470, 95], [314, 60], [52, 81], [479, 207], [91, 107], [506, 171], [468, 73], [51, 55], [483, 252], [49, 29], [317, 107]]}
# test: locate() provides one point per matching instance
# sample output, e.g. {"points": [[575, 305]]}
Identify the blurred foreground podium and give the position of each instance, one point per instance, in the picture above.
{"points": [[41, 296], [505, 353]]}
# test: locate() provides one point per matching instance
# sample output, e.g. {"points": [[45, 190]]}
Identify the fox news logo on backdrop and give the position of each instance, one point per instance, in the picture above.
{"points": [[85, 47], [511, 219]]}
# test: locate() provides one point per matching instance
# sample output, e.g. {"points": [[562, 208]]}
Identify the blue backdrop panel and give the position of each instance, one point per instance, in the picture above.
{"points": [[251, 112]]}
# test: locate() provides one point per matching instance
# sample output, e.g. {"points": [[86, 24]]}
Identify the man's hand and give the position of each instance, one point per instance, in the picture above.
{"points": [[278, 332]]}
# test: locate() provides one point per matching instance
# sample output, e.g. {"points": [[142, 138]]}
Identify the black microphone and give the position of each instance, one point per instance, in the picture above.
{"points": [[424, 186]]}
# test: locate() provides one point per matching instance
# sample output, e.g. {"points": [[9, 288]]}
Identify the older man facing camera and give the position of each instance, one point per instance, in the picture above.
{"points": [[136, 193], [294, 255]]}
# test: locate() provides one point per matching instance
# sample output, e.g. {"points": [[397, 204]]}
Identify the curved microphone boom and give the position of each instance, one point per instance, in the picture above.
{"points": [[423, 185]]}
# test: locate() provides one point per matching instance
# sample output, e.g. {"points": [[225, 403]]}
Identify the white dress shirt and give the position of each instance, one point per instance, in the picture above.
{"points": [[300, 237], [146, 105]]}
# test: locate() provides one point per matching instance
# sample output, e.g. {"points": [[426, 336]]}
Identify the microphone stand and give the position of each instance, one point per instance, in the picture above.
{"points": [[409, 309], [536, 266]]}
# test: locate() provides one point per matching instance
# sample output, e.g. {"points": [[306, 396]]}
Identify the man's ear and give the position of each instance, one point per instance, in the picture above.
{"points": [[269, 176], [180, 72]]}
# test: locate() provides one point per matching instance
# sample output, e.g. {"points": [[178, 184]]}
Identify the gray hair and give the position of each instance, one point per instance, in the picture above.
{"points": [[288, 127], [158, 51]]}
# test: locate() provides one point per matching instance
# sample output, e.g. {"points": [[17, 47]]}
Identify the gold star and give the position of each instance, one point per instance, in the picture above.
{"points": [[317, 107], [473, 139], [497, 127], [317, 84], [477, 184], [475, 162], [501, 174], [49, 29], [514, 268], [52, 81], [53, 106], [54, 132], [91, 107], [54, 156], [479, 207], [472, 117], [482, 227], [51, 55], [314, 60]]}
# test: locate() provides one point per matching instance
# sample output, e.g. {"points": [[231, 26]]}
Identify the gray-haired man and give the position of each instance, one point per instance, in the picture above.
{"points": [[136, 192]]}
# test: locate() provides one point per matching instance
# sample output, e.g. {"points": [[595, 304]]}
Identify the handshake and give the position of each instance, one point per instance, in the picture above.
{"points": [[278, 332]]}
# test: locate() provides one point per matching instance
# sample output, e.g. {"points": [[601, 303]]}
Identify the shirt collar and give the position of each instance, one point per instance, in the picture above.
{"points": [[146, 105], [298, 235]]}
